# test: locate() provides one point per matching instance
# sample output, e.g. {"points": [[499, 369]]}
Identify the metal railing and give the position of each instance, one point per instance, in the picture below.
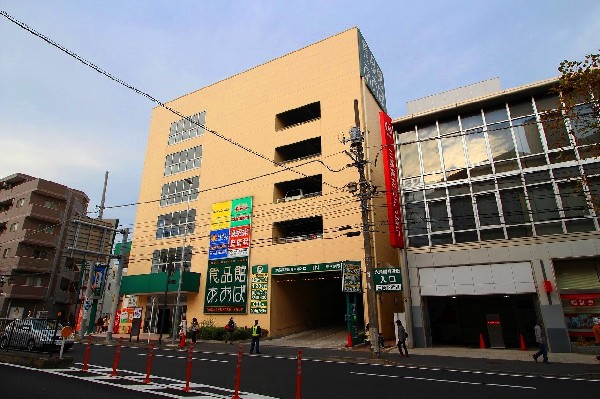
{"points": [[30, 334]]}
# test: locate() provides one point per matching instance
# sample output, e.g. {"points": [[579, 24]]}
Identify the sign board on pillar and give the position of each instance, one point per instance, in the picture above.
{"points": [[387, 279]]}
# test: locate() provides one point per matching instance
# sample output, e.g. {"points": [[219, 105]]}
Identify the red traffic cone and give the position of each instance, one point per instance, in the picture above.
{"points": [[481, 342], [182, 340], [349, 344], [523, 346]]}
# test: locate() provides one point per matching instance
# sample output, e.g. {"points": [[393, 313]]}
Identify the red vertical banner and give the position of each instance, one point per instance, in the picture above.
{"points": [[390, 171]]}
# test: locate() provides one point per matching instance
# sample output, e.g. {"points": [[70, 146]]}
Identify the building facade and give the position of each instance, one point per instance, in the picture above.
{"points": [[34, 218], [500, 201], [244, 188]]}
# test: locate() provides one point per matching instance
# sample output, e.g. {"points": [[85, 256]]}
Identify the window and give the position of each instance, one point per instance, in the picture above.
{"points": [[527, 136], [300, 150], [176, 224], [20, 202], [14, 226], [40, 254], [487, 208], [46, 228], [180, 191], [463, 217], [184, 160], [51, 204], [33, 281], [299, 115], [163, 257], [6, 253], [187, 128]]}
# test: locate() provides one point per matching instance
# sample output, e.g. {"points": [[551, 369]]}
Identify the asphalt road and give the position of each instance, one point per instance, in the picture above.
{"points": [[274, 375]]}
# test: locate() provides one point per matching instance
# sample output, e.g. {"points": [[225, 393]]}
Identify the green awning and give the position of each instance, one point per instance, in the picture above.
{"points": [[155, 283]]}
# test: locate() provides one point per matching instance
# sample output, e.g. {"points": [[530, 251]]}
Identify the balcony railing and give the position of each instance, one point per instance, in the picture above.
{"points": [[285, 240]]}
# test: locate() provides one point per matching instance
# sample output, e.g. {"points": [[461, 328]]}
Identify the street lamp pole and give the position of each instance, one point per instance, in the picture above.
{"points": [[182, 267]]}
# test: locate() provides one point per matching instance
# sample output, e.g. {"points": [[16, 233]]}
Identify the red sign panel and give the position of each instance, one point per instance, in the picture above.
{"points": [[390, 171], [583, 302], [239, 237]]}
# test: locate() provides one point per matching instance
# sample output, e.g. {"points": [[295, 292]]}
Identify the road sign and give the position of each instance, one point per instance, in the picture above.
{"points": [[387, 279], [66, 332]]}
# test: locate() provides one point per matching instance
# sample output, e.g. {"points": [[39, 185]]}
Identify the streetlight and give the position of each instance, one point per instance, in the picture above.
{"points": [[182, 267]]}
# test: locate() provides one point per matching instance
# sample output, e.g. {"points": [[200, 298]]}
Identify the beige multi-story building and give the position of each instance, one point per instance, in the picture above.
{"points": [[250, 176]]}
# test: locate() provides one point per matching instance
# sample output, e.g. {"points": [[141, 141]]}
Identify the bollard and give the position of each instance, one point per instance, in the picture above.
{"points": [[188, 374], [481, 342], [522, 342], [117, 357], [86, 357], [149, 364], [299, 376], [238, 372]]}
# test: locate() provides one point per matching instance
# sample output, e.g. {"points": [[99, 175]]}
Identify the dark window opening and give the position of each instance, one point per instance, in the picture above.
{"points": [[310, 186], [299, 150], [298, 230], [299, 115]]}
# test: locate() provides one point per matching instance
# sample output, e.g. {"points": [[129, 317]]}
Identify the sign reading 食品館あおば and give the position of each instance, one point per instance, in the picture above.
{"points": [[229, 248]]}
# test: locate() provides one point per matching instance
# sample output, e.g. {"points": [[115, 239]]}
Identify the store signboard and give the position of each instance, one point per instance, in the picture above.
{"points": [[387, 279], [259, 286], [230, 225], [310, 268], [226, 286], [351, 277], [370, 71], [390, 172], [583, 302]]}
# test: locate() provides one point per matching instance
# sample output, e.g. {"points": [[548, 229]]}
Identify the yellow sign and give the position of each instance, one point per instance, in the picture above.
{"points": [[221, 216]]}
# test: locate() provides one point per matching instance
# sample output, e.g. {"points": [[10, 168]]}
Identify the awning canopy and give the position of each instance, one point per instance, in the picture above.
{"points": [[156, 283]]}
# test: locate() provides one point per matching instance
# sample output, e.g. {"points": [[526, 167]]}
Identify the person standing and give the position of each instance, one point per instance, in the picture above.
{"points": [[540, 338], [105, 324], [99, 325], [230, 327], [402, 335], [256, 331], [194, 329]]}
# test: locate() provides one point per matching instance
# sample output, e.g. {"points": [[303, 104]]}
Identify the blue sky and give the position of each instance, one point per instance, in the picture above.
{"points": [[62, 121]]}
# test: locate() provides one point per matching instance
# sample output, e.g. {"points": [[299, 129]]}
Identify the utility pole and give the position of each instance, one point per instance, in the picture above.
{"points": [[365, 191], [115, 303]]}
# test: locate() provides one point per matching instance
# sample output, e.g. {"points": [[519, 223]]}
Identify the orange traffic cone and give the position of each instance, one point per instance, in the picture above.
{"points": [[481, 342], [182, 340], [349, 344], [523, 346]]}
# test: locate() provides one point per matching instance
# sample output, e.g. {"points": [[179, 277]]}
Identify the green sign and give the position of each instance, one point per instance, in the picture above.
{"points": [[226, 286], [241, 212], [370, 71], [310, 268], [351, 277], [387, 279], [259, 285]]}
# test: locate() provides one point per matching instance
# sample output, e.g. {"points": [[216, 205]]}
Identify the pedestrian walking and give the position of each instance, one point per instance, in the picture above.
{"points": [[402, 335], [256, 331], [540, 338], [99, 324], [194, 328], [106, 322], [230, 327]]}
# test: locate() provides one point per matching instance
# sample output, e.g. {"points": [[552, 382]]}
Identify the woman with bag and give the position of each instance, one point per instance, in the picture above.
{"points": [[402, 335]]}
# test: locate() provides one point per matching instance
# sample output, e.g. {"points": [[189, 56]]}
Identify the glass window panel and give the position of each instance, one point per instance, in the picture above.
{"points": [[555, 132], [585, 125], [418, 241], [426, 132], [487, 209], [431, 157], [527, 136], [561, 156], [413, 196], [192, 215], [573, 199], [501, 143], [481, 170], [476, 149], [459, 190], [548, 229], [441, 239], [471, 121], [495, 115], [506, 166], [452, 150], [449, 126], [534, 161], [581, 225], [463, 217], [433, 193], [491, 234], [481, 186], [438, 216], [434, 178], [458, 174], [466, 236], [514, 206], [520, 109], [566, 173], [543, 203], [546, 102], [409, 159], [588, 152], [407, 137], [537, 177], [592, 168], [519, 231], [415, 215]]}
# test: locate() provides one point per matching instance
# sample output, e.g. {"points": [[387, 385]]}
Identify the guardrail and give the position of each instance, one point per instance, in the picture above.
{"points": [[32, 335]]}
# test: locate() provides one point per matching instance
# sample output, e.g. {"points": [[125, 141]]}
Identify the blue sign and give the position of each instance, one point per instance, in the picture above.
{"points": [[219, 243]]}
